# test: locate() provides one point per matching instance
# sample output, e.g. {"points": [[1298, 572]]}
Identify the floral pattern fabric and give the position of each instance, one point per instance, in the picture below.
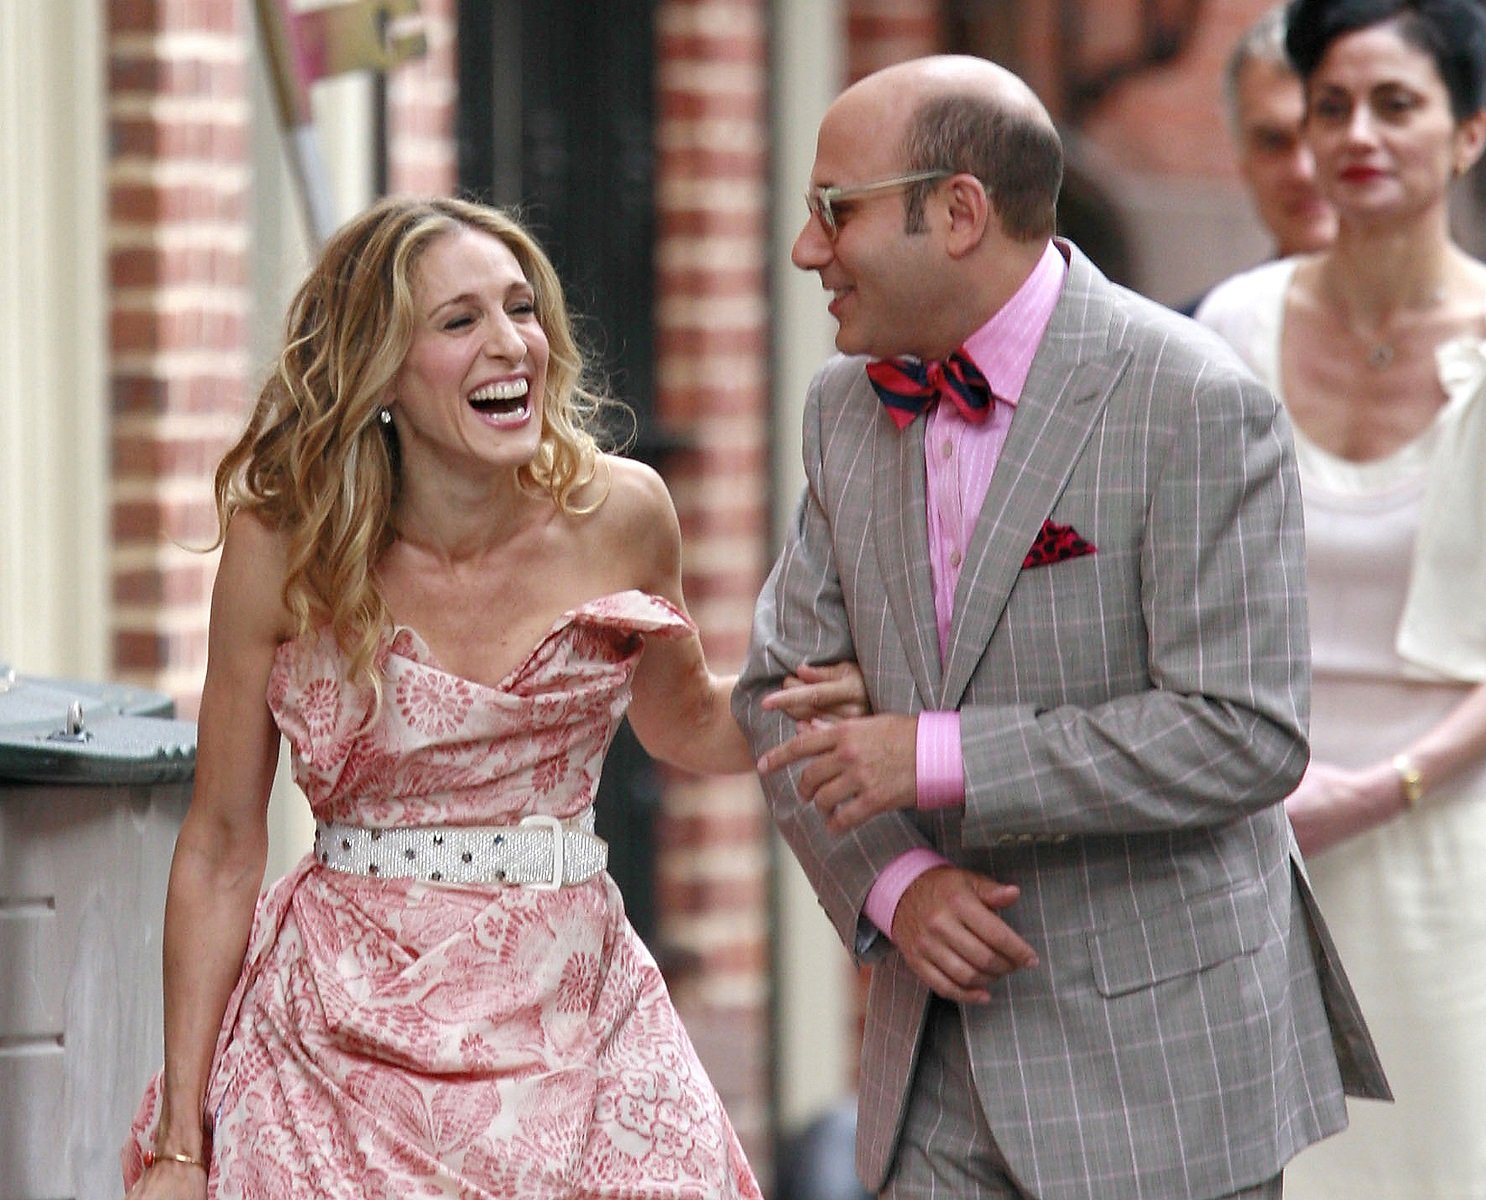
{"points": [[393, 1038]]}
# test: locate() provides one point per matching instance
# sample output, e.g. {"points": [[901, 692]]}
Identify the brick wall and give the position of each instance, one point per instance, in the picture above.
{"points": [[711, 375], [178, 215], [177, 204], [882, 32], [178, 112], [178, 119], [1165, 120], [421, 95], [1168, 121]]}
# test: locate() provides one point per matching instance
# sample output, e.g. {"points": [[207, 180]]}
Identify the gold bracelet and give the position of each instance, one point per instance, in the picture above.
{"points": [[151, 1158], [1409, 779]]}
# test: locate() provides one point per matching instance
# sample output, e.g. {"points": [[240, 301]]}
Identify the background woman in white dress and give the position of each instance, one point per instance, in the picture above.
{"points": [[1375, 346]]}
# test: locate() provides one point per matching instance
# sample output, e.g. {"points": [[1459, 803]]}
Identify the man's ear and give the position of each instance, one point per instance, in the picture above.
{"points": [[969, 211]]}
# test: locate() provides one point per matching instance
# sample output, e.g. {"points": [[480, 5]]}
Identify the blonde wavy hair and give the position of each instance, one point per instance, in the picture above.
{"points": [[317, 465]]}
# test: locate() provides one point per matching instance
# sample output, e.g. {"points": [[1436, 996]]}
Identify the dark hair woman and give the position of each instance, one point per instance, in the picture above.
{"points": [[1376, 347]]}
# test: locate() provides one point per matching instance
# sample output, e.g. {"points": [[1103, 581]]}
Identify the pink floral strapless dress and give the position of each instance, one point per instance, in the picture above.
{"points": [[391, 1038]]}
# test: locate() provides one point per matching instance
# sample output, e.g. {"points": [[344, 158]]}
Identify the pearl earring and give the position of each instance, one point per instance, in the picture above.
{"points": [[384, 415]]}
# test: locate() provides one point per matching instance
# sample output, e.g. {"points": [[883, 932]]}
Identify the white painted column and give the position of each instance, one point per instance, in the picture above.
{"points": [[54, 405], [813, 980], [281, 255]]}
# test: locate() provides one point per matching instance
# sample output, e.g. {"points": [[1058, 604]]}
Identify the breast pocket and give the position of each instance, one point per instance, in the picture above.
{"points": [[1193, 936]]}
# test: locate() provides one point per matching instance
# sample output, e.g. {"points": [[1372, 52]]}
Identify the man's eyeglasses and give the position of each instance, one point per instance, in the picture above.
{"points": [[822, 200]]}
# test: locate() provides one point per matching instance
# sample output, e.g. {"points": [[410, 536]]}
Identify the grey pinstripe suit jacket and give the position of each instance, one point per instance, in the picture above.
{"points": [[1130, 722]]}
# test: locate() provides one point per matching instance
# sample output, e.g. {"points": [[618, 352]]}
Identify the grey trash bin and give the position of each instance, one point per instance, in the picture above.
{"points": [[94, 781]]}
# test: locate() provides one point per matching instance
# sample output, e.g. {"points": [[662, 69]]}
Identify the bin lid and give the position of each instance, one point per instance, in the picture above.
{"points": [[73, 731]]}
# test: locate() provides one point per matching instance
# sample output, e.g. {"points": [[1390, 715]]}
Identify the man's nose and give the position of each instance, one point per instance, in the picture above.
{"points": [[812, 248]]}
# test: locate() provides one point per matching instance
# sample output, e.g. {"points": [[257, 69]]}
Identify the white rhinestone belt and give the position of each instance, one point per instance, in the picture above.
{"points": [[541, 852]]}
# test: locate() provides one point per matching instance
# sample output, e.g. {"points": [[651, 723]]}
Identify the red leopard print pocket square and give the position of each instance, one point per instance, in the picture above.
{"points": [[1054, 544]]}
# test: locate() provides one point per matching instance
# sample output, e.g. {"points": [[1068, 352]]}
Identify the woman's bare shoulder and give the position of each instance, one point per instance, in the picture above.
{"points": [[635, 492], [252, 573], [636, 526], [250, 529]]}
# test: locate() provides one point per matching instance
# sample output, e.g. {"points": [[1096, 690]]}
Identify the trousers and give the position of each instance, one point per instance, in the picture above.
{"points": [[948, 1150]]}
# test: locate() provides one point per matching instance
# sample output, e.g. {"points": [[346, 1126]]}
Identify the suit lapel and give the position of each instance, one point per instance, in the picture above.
{"points": [[1066, 390], [901, 536]]}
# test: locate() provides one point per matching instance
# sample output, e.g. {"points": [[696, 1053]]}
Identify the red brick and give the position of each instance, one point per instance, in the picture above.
{"points": [[700, 895], [134, 331], [180, 392], [178, 139], [879, 33], [690, 105], [172, 16], [696, 222], [700, 342], [138, 651], [746, 279], [735, 520], [147, 266], [150, 204], [726, 49], [168, 587], [151, 522], [135, 16], [696, 829], [744, 163], [149, 75], [166, 457], [742, 400]]}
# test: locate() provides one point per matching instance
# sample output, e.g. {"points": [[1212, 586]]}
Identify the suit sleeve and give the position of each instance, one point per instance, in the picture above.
{"points": [[801, 617], [1216, 729]]}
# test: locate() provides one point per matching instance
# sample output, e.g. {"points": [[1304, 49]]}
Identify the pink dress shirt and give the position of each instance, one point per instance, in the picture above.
{"points": [[958, 460]]}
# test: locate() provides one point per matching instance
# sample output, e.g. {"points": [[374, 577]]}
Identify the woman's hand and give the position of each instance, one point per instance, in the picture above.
{"points": [[169, 1180], [1332, 804], [831, 692], [855, 768]]}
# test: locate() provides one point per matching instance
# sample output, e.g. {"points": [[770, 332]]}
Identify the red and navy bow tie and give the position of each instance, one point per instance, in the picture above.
{"points": [[908, 386]]}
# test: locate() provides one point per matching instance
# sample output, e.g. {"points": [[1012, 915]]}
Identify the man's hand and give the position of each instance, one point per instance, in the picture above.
{"points": [[947, 929], [856, 768]]}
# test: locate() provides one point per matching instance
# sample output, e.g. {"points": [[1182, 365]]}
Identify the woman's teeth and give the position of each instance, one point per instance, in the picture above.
{"points": [[508, 396]]}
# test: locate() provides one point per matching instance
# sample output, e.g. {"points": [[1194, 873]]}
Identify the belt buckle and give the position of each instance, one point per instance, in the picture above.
{"points": [[554, 826]]}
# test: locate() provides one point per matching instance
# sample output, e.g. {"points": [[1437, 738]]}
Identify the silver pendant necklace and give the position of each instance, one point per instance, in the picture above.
{"points": [[1380, 357]]}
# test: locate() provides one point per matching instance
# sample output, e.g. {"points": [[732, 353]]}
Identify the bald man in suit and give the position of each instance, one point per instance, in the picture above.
{"points": [[1059, 529]]}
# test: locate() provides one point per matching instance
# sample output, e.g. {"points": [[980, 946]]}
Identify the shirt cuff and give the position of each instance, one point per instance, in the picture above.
{"points": [[939, 763], [882, 900]]}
